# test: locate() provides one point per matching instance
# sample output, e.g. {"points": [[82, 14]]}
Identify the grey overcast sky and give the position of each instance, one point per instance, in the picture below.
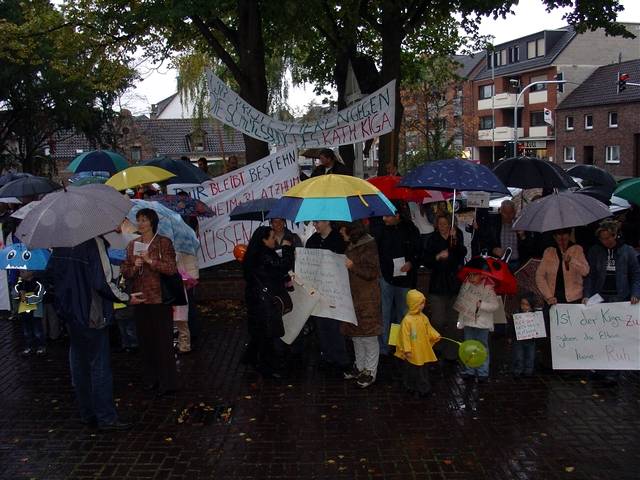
{"points": [[530, 17]]}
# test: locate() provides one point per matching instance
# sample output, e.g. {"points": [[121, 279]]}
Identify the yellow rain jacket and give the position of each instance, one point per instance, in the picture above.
{"points": [[416, 336]]}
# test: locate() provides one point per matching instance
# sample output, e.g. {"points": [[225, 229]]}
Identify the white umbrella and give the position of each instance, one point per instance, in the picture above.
{"points": [[22, 211], [67, 218]]}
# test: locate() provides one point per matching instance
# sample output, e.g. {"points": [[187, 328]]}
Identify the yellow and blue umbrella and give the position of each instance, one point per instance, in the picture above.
{"points": [[135, 176], [332, 197]]}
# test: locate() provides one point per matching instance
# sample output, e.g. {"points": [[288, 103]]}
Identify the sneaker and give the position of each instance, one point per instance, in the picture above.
{"points": [[351, 373], [26, 352], [365, 379], [41, 351]]}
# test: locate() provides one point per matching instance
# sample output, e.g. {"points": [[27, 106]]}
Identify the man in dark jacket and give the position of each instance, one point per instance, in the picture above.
{"points": [[332, 344], [329, 163], [398, 246], [85, 293]]}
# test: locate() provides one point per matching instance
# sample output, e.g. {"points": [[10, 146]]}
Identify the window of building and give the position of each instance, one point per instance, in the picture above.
{"points": [[568, 122], [540, 86], [514, 54], [613, 119], [503, 57], [537, 119], [570, 154], [588, 122], [136, 154], [486, 91], [560, 86], [540, 47], [531, 49], [486, 123], [612, 154], [196, 141], [535, 48]]}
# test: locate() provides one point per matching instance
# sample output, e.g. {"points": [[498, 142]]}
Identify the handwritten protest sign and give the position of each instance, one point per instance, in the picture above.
{"points": [[368, 118], [529, 325], [266, 178], [304, 303], [326, 272], [600, 337]]}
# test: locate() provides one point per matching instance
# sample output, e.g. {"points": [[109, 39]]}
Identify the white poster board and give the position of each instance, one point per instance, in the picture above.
{"points": [[304, 303], [326, 272], [600, 337], [267, 178], [477, 199], [529, 325], [368, 118]]}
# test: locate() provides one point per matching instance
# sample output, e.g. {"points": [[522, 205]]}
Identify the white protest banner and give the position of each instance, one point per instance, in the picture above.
{"points": [[529, 325], [600, 337], [266, 178], [368, 118], [304, 303], [326, 272]]}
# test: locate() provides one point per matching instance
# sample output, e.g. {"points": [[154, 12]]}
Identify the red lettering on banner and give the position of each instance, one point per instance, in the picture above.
{"points": [[385, 119], [364, 125]]}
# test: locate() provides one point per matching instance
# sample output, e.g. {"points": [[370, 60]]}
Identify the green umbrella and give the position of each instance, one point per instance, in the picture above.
{"points": [[98, 160], [629, 190]]}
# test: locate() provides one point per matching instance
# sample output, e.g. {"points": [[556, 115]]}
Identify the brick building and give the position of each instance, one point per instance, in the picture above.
{"points": [[596, 125], [510, 66]]}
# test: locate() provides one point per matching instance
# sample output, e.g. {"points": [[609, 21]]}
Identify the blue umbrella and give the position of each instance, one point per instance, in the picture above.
{"points": [[98, 160], [171, 226], [18, 257], [253, 210], [454, 174], [8, 177], [185, 172]]}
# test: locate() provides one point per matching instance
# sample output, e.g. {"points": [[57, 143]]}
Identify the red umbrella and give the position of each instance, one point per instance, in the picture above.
{"points": [[493, 268], [387, 184]]}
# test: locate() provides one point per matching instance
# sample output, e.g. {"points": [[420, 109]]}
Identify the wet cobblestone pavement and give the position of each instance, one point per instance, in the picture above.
{"points": [[314, 424]]}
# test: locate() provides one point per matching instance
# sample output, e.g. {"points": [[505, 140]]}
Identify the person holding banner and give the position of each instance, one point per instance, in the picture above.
{"points": [[329, 163], [265, 273], [559, 279], [364, 273], [333, 350]]}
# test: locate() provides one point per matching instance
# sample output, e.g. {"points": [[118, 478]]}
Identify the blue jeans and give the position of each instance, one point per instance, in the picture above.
{"points": [[482, 335], [33, 330], [90, 363], [394, 308], [524, 356]]}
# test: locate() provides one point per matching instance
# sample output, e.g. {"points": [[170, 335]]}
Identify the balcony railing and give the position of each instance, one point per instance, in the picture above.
{"points": [[500, 100], [499, 134]]}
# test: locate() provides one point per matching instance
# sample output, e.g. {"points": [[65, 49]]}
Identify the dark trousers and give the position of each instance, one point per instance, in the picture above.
{"points": [[33, 330], [194, 319], [90, 363], [524, 356], [416, 378], [154, 324], [332, 344]]}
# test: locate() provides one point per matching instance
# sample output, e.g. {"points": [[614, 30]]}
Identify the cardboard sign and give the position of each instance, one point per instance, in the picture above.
{"points": [[326, 272], [529, 325], [477, 199], [600, 337]]}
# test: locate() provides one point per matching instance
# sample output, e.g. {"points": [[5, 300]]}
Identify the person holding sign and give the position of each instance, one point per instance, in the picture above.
{"points": [[559, 279], [364, 273], [524, 351], [148, 257], [479, 300], [30, 293], [614, 271], [265, 273]]}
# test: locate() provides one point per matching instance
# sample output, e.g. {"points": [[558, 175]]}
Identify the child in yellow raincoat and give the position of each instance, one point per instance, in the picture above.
{"points": [[415, 345]]}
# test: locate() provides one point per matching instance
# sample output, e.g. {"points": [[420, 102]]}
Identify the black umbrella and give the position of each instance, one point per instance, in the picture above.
{"points": [[593, 176], [28, 187], [599, 192], [185, 172], [256, 210], [9, 177], [530, 172]]}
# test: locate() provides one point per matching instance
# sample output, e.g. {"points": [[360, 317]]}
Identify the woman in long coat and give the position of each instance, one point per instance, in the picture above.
{"points": [[364, 273]]}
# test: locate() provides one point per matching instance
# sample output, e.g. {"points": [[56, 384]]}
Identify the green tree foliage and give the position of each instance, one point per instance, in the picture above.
{"points": [[54, 77]]}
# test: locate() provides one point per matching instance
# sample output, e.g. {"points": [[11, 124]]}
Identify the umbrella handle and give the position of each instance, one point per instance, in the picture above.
{"points": [[451, 340]]}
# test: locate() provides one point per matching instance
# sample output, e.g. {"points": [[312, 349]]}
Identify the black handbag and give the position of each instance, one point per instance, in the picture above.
{"points": [[272, 308], [173, 289]]}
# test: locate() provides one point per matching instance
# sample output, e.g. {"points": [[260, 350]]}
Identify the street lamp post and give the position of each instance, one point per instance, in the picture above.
{"points": [[515, 111]]}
